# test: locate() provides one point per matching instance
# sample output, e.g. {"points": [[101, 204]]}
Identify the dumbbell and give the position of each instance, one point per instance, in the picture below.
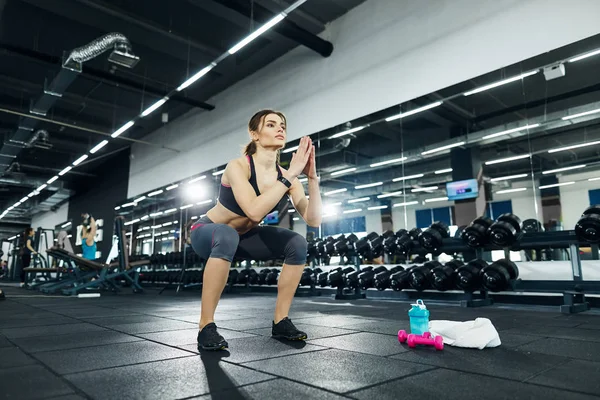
{"points": [[421, 277], [390, 243], [243, 276], [406, 242], [532, 225], [587, 228], [365, 279], [425, 339], [431, 238], [401, 279], [382, 279], [497, 276], [307, 277], [336, 278], [233, 275], [323, 277], [376, 242], [476, 234], [351, 280], [468, 277], [259, 278], [272, 276], [443, 275], [505, 231]]}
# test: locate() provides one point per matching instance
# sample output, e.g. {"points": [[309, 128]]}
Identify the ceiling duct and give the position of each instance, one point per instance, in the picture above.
{"points": [[121, 54], [40, 139]]}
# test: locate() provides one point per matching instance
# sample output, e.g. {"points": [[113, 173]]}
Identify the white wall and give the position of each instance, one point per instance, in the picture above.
{"points": [[50, 219], [393, 50], [574, 199]]}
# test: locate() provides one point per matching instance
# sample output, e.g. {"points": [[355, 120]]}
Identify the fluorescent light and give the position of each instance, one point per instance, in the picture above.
{"points": [[449, 146], [359, 200], [552, 171], [217, 173], [509, 131], [128, 205], [335, 191], [139, 199], [154, 107], [395, 160], [383, 196], [51, 180], [257, 33], [132, 222], [507, 159], [404, 178], [65, 225], [500, 83], [575, 146], [408, 203], [443, 171], [157, 192], [511, 190], [64, 171], [594, 179], [44, 186], [377, 208], [302, 180], [289, 150], [197, 179], [556, 185], [156, 214], [117, 208], [581, 114], [368, 185], [204, 202], [194, 217], [196, 76], [156, 226], [145, 217], [296, 219], [186, 206], [80, 159], [170, 210], [122, 129], [173, 187], [352, 211], [291, 210], [128, 234], [415, 111], [586, 55], [509, 177], [99, 146], [32, 194], [343, 171], [349, 131], [435, 199], [424, 189]]}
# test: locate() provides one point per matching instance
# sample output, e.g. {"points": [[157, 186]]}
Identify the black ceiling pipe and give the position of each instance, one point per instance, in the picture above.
{"points": [[285, 27], [105, 77]]}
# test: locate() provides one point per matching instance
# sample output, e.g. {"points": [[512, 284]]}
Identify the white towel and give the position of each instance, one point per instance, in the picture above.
{"points": [[477, 334]]}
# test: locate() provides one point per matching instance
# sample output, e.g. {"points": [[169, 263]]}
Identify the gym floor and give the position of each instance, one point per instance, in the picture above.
{"points": [[129, 346]]}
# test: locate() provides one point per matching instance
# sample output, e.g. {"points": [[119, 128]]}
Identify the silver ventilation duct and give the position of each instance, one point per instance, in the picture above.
{"points": [[39, 139], [121, 54]]}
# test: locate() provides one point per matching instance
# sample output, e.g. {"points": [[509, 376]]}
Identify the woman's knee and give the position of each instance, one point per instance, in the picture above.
{"points": [[295, 250]]}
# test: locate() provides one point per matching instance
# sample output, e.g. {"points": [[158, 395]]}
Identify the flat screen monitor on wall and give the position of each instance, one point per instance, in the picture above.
{"points": [[460, 190]]}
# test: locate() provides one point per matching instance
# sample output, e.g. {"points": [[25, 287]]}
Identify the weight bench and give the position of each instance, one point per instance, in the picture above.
{"points": [[30, 275]]}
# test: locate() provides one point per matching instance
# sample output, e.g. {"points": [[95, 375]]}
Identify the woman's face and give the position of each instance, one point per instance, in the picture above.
{"points": [[272, 132]]}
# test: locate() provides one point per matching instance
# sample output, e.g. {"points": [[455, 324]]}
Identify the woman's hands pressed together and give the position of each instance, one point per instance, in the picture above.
{"points": [[301, 157]]}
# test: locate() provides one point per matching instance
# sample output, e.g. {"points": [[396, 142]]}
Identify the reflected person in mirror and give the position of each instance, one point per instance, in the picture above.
{"points": [[251, 187], [88, 237]]}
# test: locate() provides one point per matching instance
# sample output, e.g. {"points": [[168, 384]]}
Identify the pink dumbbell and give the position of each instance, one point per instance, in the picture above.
{"points": [[437, 341], [402, 335]]}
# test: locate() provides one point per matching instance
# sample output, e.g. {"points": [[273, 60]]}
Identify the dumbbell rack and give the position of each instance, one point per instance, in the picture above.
{"points": [[357, 294], [312, 289]]}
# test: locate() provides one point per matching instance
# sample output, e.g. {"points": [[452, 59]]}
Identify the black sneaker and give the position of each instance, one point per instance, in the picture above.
{"points": [[285, 329], [209, 338]]}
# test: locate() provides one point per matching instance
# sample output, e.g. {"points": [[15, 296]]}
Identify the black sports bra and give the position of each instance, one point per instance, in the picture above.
{"points": [[227, 198]]}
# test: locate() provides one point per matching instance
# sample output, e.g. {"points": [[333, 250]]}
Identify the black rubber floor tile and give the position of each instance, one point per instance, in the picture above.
{"points": [[195, 318], [313, 331], [68, 397], [49, 330], [578, 375], [49, 320], [169, 379], [334, 321], [246, 323], [364, 342], [383, 327], [4, 342], [188, 336], [26, 315], [453, 385], [500, 361], [592, 326], [32, 382], [91, 312], [13, 357], [337, 370], [581, 349], [72, 341], [556, 332], [278, 389], [91, 358], [123, 319], [515, 340], [260, 347], [150, 327]]}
